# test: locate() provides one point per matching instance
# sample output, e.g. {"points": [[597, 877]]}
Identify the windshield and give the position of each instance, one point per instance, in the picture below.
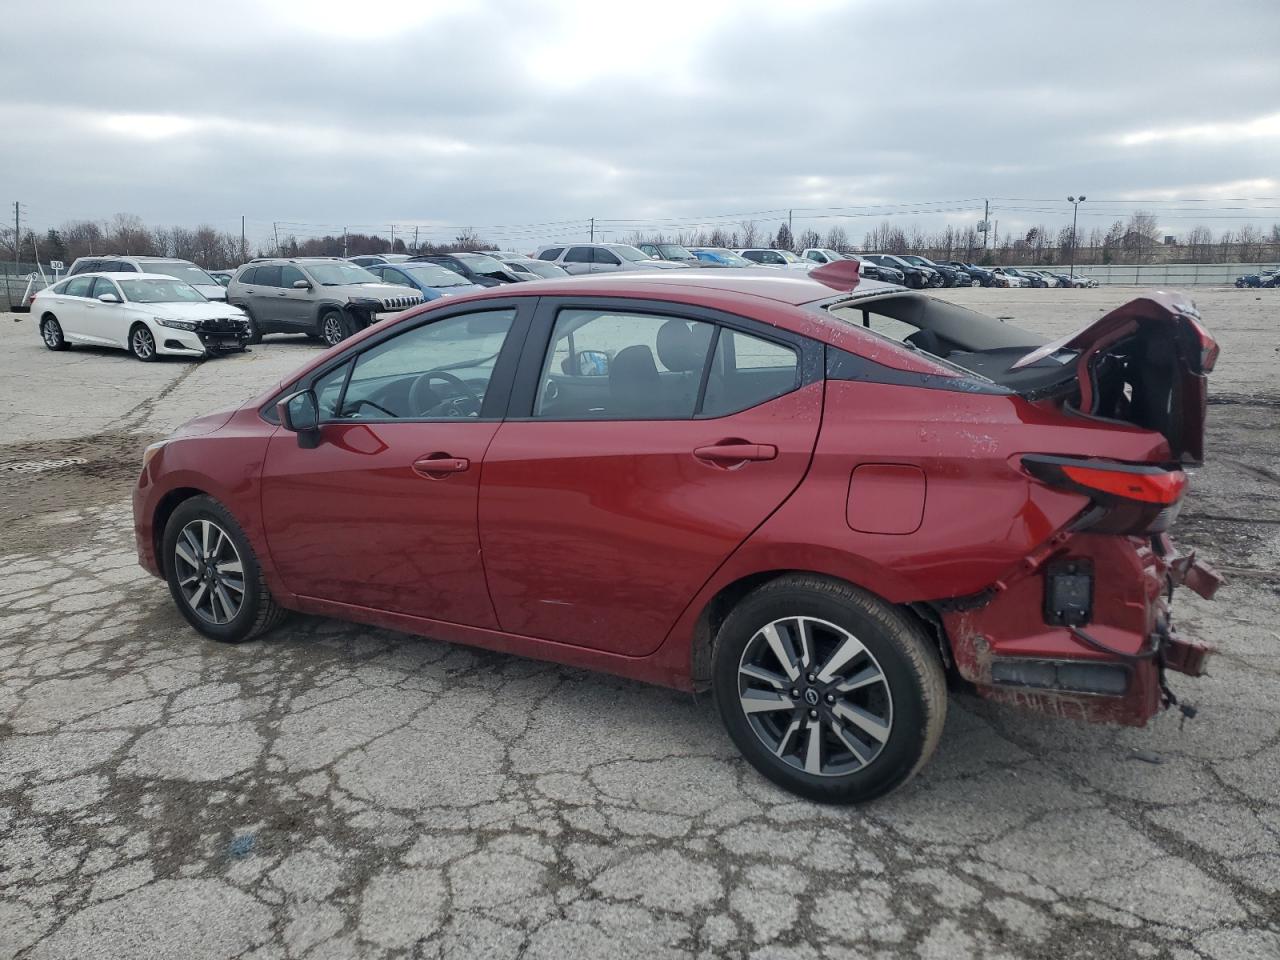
{"points": [[339, 274], [160, 291], [434, 275], [481, 263], [629, 253], [542, 269], [674, 251], [182, 271], [788, 256]]}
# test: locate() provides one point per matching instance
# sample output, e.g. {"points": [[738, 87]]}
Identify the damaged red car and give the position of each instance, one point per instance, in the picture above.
{"points": [[820, 498]]}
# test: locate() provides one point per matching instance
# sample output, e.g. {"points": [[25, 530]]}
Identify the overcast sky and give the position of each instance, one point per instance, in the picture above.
{"points": [[523, 114]]}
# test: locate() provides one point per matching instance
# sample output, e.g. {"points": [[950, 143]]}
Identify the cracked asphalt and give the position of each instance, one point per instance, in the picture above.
{"points": [[335, 791]]}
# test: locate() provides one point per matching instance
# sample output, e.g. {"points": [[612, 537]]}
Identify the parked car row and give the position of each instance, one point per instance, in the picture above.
{"points": [[331, 298]]}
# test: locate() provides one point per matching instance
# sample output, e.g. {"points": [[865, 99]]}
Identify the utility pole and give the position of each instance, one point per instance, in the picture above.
{"points": [[244, 250], [276, 230], [415, 238], [1075, 212], [790, 231], [593, 229], [17, 251], [344, 243], [393, 237], [986, 224]]}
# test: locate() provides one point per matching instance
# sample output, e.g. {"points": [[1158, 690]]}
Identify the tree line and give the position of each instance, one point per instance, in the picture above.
{"points": [[1133, 240]]}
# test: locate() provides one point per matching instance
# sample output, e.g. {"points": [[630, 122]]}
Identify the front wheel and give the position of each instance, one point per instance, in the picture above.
{"points": [[142, 342], [213, 574], [255, 331], [975, 282], [333, 327], [828, 691], [51, 333]]}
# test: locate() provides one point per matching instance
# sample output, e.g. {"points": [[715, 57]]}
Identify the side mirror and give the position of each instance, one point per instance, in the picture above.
{"points": [[302, 284], [299, 413], [109, 298], [593, 363]]}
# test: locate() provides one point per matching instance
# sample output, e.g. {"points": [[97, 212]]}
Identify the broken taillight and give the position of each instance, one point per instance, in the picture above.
{"points": [[1128, 498], [1208, 346]]}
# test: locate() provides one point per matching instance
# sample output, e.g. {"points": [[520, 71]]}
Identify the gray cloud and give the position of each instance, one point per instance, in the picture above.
{"points": [[512, 113]]}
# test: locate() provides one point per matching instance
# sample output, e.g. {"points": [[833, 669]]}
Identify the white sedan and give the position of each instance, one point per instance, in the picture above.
{"points": [[144, 313]]}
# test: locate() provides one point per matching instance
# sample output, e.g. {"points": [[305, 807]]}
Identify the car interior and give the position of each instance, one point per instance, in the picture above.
{"points": [[438, 370], [633, 366]]}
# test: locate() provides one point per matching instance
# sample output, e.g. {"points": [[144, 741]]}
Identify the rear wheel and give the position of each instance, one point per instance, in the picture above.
{"points": [[213, 574], [51, 333], [142, 342], [333, 327], [828, 691]]}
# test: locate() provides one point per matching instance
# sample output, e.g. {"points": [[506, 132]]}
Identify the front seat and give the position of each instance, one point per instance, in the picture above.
{"points": [[634, 383], [683, 350]]}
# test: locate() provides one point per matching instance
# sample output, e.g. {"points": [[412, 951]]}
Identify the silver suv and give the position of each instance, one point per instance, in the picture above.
{"points": [[165, 266], [326, 298], [602, 258]]}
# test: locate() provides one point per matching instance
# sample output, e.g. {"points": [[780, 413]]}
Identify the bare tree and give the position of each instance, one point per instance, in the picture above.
{"points": [[838, 240], [810, 238], [1200, 244], [750, 233]]}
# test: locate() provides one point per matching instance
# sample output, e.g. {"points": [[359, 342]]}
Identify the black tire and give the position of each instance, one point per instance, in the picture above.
{"points": [[255, 331], [51, 333], [911, 689], [333, 326], [142, 342], [257, 612]]}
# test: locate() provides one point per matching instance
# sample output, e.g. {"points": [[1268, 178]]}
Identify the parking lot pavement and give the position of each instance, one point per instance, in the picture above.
{"points": [[338, 791]]}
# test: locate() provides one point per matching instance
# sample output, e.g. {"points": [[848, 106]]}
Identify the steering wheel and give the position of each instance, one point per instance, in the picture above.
{"points": [[423, 399]]}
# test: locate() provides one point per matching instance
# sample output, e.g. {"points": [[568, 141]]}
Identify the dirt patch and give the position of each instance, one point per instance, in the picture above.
{"points": [[48, 479]]}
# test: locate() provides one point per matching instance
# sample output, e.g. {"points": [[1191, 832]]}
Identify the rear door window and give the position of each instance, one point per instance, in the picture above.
{"points": [[607, 256], [79, 287], [747, 371], [578, 255], [247, 275]]}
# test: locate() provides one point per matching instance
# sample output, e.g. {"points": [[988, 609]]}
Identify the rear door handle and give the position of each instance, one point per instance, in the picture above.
{"points": [[736, 452], [437, 466]]}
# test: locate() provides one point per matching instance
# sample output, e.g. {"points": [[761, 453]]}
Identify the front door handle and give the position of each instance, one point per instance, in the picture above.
{"points": [[736, 451], [440, 465]]}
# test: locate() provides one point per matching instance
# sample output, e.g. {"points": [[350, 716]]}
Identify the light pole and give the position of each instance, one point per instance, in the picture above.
{"points": [[1075, 213]]}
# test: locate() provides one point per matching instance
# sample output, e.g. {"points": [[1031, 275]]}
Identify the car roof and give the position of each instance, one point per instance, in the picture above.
{"points": [[111, 275]]}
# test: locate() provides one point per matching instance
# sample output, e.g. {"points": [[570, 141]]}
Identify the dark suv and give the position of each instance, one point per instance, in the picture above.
{"points": [[324, 297]]}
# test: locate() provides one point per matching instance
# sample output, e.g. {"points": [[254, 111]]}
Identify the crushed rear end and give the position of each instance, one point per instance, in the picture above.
{"points": [[1083, 625]]}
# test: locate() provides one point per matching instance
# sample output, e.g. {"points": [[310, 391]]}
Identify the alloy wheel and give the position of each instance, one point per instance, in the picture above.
{"points": [[332, 330], [209, 571], [144, 344], [51, 333], [815, 696]]}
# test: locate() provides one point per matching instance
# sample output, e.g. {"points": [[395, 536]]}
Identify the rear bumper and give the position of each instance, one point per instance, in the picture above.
{"points": [[1104, 669]]}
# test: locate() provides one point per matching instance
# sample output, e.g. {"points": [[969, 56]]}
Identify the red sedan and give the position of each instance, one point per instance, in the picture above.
{"points": [[814, 496]]}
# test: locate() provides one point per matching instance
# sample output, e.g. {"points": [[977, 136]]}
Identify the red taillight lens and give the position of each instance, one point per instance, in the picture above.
{"points": [[1128, 498], [1164, 487]]}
